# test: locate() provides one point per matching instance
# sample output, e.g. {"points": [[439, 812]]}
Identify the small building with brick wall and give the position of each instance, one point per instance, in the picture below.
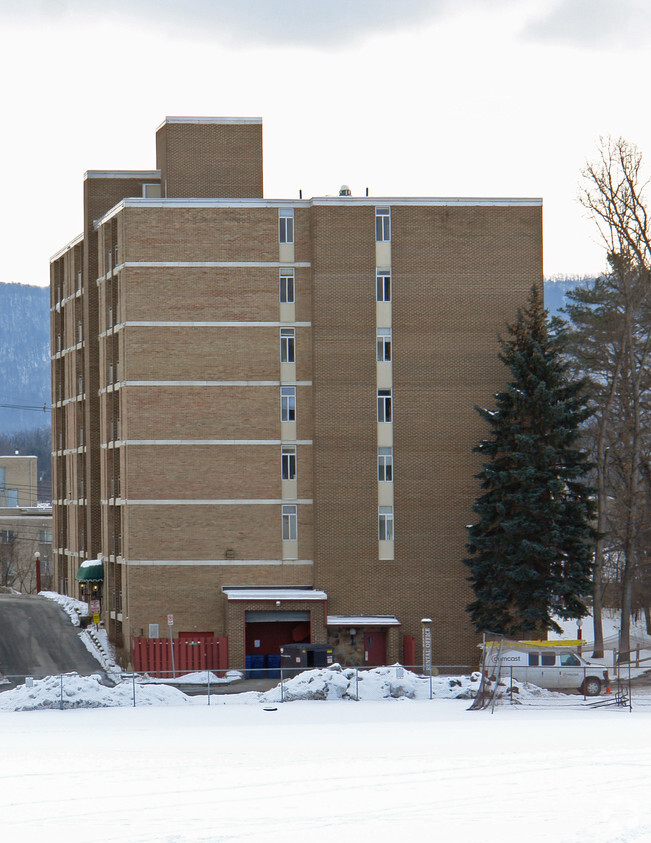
{"points": [[263, 409]]}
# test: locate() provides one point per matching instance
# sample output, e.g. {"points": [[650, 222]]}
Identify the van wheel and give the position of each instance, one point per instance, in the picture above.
{"points": [[592, 686]]}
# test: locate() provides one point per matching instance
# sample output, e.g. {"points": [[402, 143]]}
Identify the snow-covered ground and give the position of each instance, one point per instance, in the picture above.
{"points": [[397, 770], [320, 765]]}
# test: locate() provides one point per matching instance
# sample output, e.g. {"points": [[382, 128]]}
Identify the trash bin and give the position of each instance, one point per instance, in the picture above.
{"points": [[298, 657], [273, 666], [254, 666]]}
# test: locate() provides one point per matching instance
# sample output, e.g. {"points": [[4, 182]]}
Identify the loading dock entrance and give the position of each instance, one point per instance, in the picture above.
{"points": [[268, 631]]}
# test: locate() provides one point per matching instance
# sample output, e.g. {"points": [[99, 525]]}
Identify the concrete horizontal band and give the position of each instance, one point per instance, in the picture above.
{"points": [[216, 502], [123, 384], [217, 563], [251, 324], [176, 442], [213, 264]]}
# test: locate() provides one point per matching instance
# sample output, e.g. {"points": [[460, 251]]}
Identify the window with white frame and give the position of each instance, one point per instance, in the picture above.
{"points": [[382, 224], [290, 522], [288, 462], [288, 403], [383, 285], [384, 345], [287, 345], [385, 464], [286, 225], [385, 523], [384, 405], [286, 286]]}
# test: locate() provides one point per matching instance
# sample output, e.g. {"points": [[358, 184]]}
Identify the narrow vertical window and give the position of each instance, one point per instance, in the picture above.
{"points": [[287, 345], [384, 405], [383, 285], [384, 345], [385, 523], [385, 465], [286, 225], [288, 403], [288, 462], [290, 522], [286, 286], [382, 224]]}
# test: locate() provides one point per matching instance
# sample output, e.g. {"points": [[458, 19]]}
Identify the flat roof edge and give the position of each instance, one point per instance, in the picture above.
{"points": [[74, 242], [226, 121], [121, 174], [370, 201]]}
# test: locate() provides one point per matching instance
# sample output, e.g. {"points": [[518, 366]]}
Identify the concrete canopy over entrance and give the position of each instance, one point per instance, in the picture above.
{"points": [[363, 640]]}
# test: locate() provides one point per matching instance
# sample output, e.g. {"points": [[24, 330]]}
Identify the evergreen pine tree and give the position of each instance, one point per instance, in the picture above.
{"points": [[531, 551]]}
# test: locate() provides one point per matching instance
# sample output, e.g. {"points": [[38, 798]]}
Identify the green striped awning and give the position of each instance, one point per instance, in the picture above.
{"points": [[92, 570]]}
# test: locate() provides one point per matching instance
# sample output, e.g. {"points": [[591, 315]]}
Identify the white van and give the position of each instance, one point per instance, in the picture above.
{"points": [[549, 664]]}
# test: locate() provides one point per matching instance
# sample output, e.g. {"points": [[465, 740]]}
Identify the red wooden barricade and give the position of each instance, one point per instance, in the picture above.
{"points": [[154, 655]]}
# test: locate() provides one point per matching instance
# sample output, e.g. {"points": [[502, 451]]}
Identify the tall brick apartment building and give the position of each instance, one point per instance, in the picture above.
{"points": [[263, 409]]}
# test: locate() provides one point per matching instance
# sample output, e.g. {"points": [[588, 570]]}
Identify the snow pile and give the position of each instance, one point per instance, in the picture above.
{"points": [[75, 609], [380, 683], [198, 677], [98, 645], [74, 691]]}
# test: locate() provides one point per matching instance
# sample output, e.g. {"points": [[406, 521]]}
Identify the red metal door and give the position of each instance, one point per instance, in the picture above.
{"points": [[375, 647]]}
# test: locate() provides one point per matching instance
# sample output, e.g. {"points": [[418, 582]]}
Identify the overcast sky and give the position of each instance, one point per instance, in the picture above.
{"points": [[405, 97]]}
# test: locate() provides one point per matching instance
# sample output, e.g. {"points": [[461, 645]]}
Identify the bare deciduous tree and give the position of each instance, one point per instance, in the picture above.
{"points": [[614, 194]]}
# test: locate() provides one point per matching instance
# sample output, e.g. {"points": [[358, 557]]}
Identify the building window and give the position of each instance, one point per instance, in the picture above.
{"points": [[383, 284], [385, 464], [290, 522], [384, 345], [288, 403], [382, 224], [288, 462], [287, 345], [286, 286], [385, 523], [286, 225], [384, 405], [6, 536]]}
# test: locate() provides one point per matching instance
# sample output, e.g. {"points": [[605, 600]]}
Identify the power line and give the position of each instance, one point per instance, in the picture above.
{"points": [[42, 408]]}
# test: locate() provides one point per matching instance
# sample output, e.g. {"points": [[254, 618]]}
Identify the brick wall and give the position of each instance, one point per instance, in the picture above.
{"points": [[210, 159]]}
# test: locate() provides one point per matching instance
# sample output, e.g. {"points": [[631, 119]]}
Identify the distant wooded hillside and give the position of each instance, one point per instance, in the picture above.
{"points": [[24, 356]]}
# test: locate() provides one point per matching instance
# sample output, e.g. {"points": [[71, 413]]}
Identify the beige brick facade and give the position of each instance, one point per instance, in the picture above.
{"points": [[169, 309]]}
